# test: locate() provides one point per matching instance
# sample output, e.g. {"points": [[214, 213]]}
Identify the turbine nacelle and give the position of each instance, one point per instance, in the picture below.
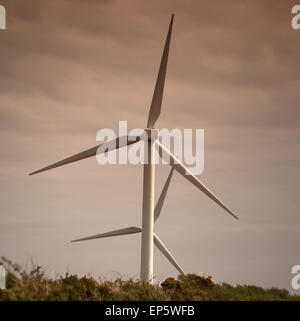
{"points": [[150, 134]]}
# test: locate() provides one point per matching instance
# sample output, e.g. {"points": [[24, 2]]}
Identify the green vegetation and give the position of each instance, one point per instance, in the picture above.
{"points": [[34, 285]]}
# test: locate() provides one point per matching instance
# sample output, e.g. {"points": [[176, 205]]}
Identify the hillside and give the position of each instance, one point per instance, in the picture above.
{"points": [[34, 285]]}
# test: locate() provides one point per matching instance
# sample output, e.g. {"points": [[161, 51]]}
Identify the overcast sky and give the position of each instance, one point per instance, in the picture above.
{"points": [[69, 68]]}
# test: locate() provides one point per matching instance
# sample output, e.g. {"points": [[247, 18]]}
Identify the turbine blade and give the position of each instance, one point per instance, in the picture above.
{"points": [[160, 82], [133, 230], [162, 197], [105, 147], [123, 231], [180, 168], [166, 253]]}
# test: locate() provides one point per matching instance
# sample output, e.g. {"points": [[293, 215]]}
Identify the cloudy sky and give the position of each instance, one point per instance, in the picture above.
{"points": [[69, 68]]}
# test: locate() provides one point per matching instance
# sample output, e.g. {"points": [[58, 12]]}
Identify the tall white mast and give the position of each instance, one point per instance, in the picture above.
{"points": [[148, 212]]}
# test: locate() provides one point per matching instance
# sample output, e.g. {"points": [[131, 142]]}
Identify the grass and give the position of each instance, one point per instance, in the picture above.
{"points": [[35, 286]]}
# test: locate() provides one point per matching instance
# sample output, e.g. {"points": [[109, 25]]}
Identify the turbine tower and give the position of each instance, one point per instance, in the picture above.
{"points": [[149, 214]]}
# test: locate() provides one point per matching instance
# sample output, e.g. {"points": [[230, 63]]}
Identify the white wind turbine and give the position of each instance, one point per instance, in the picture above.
{"points": [[150, 214]]}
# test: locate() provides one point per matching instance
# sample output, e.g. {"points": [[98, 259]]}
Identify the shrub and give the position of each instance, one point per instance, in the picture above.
{"points": [[34, 285]]}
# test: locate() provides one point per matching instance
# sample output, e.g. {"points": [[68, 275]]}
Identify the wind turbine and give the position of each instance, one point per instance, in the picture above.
{"points": [[148, 215]]}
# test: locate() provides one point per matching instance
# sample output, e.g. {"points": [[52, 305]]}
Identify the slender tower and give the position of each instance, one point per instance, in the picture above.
{"points": [[148, 208]]}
